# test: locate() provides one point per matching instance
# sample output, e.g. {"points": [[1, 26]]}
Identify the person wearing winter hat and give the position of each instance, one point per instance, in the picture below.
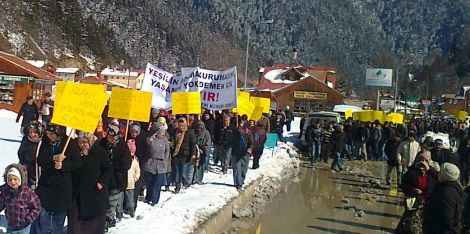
{"points": [[126, 203], [55, 184], [120, 156], [440, 154], [90, 199], [157, 166], [27, 153], [21, 204], [444, 211]]}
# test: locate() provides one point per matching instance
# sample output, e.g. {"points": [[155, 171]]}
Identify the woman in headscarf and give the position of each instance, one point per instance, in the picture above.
{"points": [[156, 167], [28, 151], [204, 143], [91, 198]]}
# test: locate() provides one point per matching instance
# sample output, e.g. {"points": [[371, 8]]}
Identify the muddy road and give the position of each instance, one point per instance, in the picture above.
{"points": [[323, 201]]}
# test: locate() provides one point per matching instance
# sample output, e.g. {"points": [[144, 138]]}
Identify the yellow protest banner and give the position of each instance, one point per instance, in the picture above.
{"points": [[395, 118], [257, 113], [80, 106], [356, 116], [242, 97], [186, 102], [348, 114], [366, 116], [245, 107], [130, 104], [263, 102], [461, 115], [378, 115]]}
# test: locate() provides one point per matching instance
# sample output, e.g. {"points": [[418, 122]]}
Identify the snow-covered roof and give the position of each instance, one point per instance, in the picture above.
{"points": [[37, 63], [90, 74], [344, 108], [69, 70], [114, 83], [114, 72], [275, 76], [261, 70]]}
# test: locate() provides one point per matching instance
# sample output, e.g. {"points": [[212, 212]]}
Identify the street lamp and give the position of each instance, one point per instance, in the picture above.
{"points": [[248, 45]]}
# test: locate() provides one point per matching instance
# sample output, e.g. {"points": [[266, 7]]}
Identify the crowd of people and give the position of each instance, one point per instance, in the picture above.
{"points": [[98, 178], [433, 178]]}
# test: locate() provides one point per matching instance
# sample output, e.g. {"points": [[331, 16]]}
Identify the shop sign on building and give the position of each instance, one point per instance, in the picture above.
{"points": [[310, 95]]}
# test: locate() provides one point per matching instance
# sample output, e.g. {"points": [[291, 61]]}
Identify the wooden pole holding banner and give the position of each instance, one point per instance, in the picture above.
{"points": [[127, 130], [68, 141], [378, 100]]}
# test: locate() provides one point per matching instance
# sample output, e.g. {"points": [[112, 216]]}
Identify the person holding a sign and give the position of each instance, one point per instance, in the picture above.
{"points": [[121, 160], [55, 185], [242, 148], [184, 149]]}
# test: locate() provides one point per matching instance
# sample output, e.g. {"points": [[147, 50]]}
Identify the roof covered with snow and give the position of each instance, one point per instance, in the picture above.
{"points": [[68, 70], [12, 65], [114, 72], [37, 63]]}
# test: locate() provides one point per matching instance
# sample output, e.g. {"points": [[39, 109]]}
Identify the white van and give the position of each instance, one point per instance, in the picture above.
{"points": [[322, 116]]}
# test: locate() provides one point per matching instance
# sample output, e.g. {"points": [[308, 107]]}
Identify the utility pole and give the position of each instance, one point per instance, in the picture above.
{"points": [[396, 91]]}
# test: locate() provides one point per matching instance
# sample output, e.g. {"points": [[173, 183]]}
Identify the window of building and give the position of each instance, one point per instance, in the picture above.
{"points": [[7, 92]]}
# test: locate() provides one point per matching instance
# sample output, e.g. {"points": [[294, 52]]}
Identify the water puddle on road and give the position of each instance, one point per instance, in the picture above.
{"points": [[322, 201]]}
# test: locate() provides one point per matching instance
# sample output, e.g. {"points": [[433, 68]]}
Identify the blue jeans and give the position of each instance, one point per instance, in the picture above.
{"points": [[337, 161], [240, 168], [49, 222], [126, 202], [178, 171], [225, 156], [154, 187], [168, 180], [314, 151], [22, 230]]}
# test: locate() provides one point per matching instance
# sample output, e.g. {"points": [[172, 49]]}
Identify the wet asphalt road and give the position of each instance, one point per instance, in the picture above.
{"points": [[323, 201]]}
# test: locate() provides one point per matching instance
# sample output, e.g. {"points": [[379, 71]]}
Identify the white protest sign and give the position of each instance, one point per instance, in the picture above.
{"points": [[158, 81]]}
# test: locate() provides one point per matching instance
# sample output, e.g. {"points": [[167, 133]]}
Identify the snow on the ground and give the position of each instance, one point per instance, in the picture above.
{"points": [[176, 213], [182, 213]]}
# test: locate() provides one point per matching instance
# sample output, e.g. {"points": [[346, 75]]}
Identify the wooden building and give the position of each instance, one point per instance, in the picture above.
{"points": [[20, 79], [304, 89]]}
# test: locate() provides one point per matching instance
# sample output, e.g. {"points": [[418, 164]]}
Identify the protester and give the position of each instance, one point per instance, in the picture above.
{"points": [[91, 196], [278, 126], [327, 145], [204, 142], [418, 184], [350, 130], [184, 149], [21, 204], [223, 143], [55, 185], [302, 125], [464, 154], [266, 122], [314, 137], [373, 143], [391, 150], [338, 140], [439, 154], [407, 151], [444, 210], [361, 138], [29, 111], [141, 152], [242, 146], [126, 203], [46, 109], [259, 139], [157, 166], [289, 117], [28, 151], [121, 160]]}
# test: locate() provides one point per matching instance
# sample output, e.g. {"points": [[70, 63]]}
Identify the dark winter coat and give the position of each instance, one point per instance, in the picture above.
{"points": [[339, 141], [22, 206], [411, 178], [391, 150], [27, 157], [210, 126], [259, 136], [464, 155], [441, 156], [362, 134], [142, 148], [444, 210], [55, 186], [225, 136], [96, 168], [187, 149], [29, 113], [466, 213], [121, 162], [237, 150], [289, 116], [203, 139]]}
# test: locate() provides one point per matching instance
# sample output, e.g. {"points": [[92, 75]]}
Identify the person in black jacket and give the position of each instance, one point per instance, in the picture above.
{"points": [[28, 150], [302, 125], [29, 111], [222, 143], [121, 160], [444, 210], [184, 149], [338, 140], [209, 122], [464, 154], [289, 117], [142, 154], [361, 139], [391, 150], [91, 196], [441, 155], [55, 185], [242, 146]]}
